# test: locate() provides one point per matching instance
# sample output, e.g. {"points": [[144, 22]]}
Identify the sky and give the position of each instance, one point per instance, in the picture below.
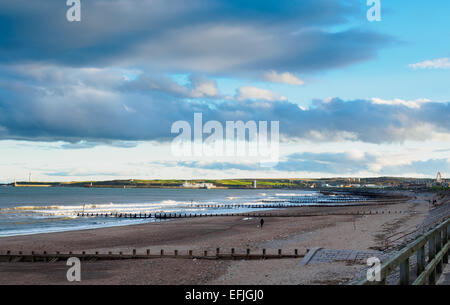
{"points": [[97, 99]]}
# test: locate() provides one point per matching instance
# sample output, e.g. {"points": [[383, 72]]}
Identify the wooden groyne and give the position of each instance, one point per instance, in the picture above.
{"points": [[252, 215], [84, 256], [277, 204]]}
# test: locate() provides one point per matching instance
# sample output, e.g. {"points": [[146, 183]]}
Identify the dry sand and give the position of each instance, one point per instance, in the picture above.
{"points": [[199, 234]]}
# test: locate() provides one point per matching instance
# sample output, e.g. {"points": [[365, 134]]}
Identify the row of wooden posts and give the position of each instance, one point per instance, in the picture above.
{"points": [[292, 204], [255, 215], [233, 255]]}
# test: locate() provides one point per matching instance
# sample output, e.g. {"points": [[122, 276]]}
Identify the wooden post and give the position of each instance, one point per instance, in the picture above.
{"points": [[217, 251], [175, 252], [134, 252], [148, 252], [404, 272], [190, 253], [438, 248], [232, 250], [420, 260], [264, 252], [205, 253], [279, 252], [431, 255], [248, 252], [162, 252], [296, 252], [444, 242]]}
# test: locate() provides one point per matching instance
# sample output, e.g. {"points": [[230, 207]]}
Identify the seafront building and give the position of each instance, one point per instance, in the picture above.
{"points": [[203, 185]]}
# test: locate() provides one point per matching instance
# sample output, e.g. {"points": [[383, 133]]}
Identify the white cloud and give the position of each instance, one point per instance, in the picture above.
{"points": [[411, 104], [440, 63], [204, 88], [285, 78], [254, 93]]}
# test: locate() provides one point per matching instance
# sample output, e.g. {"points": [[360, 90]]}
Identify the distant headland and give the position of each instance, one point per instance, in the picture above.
{"points": [[251, 183]]}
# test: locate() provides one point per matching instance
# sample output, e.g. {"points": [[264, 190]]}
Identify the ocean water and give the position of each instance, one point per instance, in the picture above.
{"points": [[40, 210]]}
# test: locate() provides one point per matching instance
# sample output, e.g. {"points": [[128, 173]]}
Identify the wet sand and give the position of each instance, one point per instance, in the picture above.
{"points": [[200, 234]]}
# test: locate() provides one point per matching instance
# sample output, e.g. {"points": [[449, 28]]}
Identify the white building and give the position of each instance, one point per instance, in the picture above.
{"points": [[198, 185]]}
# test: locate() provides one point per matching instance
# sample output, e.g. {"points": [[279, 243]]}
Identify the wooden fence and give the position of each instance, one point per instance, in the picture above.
{"points": [[429, 263]]}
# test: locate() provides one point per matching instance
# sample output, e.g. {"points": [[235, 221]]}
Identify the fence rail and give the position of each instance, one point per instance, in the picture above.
{"points": [[429, 263], [217, 255]]}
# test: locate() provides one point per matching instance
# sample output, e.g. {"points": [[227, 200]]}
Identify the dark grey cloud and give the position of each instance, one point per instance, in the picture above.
{"points": [[217, 36], [199, 87], [218, 165], [40, 104], [331, 163]]}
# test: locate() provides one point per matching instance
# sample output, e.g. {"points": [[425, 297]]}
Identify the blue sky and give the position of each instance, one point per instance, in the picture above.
{"points": [[96, 99]]}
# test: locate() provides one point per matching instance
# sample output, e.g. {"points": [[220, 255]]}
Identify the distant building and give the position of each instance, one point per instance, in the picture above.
{"points": [[254, 184], [374, 186], [438, 178], [198, 185]]}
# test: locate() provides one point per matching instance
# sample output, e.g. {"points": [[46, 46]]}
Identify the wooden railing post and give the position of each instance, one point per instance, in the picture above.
{"points": [[444, 242], [431, 255], [420, 260], [404, 272], [438, 248]]}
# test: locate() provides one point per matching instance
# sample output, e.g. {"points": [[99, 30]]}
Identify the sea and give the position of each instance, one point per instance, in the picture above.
{"points": [[34, 210]]}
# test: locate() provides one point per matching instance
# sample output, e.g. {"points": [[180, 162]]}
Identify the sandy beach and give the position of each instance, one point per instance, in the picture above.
{"points": [[346, 232]]}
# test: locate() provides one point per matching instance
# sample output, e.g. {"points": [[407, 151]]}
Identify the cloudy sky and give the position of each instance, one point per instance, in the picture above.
{"points": [[96, 99]]}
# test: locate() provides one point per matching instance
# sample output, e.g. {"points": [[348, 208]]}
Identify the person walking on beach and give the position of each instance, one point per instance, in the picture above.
{"points": [[261, 222]]}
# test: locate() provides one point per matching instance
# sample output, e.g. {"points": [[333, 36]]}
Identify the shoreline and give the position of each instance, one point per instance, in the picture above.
{"points": [[210, 208], [353, 232]]}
